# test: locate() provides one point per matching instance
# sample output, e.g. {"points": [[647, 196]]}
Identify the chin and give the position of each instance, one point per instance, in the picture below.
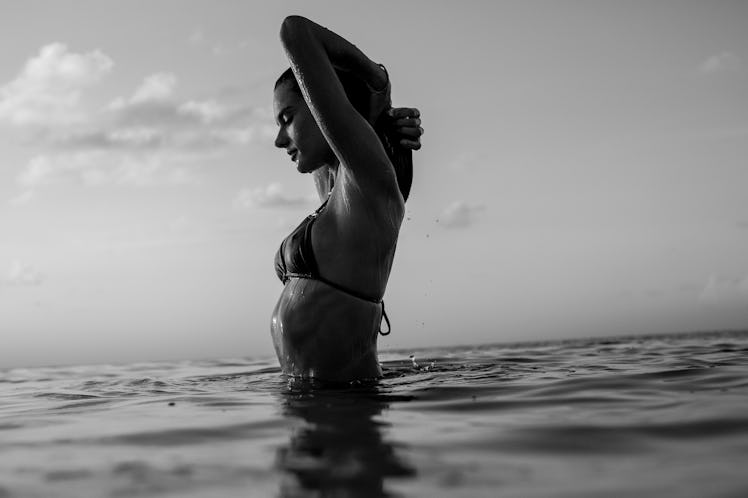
{"points": [[306, 168]]}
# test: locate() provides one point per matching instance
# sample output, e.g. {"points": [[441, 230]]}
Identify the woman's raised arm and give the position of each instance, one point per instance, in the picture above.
{"points": [[314, 52]]}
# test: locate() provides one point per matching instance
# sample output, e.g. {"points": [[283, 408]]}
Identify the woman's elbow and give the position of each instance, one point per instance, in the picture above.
{"points": [[292, 26]]}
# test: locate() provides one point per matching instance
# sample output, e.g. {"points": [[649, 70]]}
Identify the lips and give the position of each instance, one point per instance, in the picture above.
{"points": [[294, 154]]}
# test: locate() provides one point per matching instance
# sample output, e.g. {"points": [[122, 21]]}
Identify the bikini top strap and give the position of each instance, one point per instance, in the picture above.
{"points": [[320, 208], [386, 319], [336, 286]]}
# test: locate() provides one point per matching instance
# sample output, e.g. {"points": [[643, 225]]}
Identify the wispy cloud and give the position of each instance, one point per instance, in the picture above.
{"points": [[48, 94], [48, 89], [37, 171], [197, 37], [459, 214], [23, 274], [150, 136], [271, 196], [23, 198], [719, 63], [200, 38], [157, 87], [206, 111], [93, 168], [154, 117], [468, 161], [722, 291]]}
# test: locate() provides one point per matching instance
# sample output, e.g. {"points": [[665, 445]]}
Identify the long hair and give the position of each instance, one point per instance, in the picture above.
{"points": [[359, 93]]}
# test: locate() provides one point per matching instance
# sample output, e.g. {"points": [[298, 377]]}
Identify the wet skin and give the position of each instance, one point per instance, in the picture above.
{"points": [[318, 330], [321, 332]]}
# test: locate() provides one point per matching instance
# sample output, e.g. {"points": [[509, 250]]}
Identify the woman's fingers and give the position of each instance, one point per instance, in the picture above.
{"points": [[407, 122], [410, 144], [410, 131], [404, 112]]}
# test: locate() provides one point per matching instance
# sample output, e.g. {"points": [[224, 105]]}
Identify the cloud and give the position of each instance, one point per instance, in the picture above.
{"points": [[152, 103], [23, 198], [47, 94], [719, 63], [154, 118], [49, 87], [150, 136], [93, 168], [134, 138], [720, 291], [271, 196], [468, 161], [22, 274], [37, 171], [459, 214], [199, 38], [154, 137], [206, 111], [157, 87]]}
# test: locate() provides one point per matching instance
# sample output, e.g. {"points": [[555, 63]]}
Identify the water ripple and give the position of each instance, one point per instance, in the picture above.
{"points": [[568, 418]]}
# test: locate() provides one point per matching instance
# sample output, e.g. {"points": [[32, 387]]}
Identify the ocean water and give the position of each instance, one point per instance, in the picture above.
{"points": [[637, 416]]}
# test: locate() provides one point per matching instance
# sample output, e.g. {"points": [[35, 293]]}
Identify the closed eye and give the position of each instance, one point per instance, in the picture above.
{"points": [[284, 117]]}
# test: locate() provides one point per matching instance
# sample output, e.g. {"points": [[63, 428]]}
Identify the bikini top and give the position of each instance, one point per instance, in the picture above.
{"points": [[301, 262]]}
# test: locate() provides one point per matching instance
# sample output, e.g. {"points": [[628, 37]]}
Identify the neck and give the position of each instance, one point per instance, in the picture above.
{"points": [[324, 180]]}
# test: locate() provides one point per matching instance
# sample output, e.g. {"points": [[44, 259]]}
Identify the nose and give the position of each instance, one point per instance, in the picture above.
{"points": [[281, 140]]}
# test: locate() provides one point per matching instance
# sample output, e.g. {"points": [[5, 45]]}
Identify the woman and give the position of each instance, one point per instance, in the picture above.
{"points": [[336, 264]]}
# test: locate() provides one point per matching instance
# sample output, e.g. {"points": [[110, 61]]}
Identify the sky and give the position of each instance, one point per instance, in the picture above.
{"points": [[584, 172]]}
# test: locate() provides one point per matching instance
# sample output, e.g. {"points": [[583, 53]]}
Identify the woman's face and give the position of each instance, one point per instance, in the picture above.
{"points": [[298, 132]]}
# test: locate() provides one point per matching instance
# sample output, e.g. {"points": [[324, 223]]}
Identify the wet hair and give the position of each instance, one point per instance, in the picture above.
{"points": [[355, 88], [358, 93]]}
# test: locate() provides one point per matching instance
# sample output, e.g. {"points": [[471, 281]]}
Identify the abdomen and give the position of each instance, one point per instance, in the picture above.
{"points": [[319, 331]]}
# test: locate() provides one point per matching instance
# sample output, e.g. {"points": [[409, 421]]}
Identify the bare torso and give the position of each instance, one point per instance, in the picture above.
{"points": [[322, 332], [326, 324]]}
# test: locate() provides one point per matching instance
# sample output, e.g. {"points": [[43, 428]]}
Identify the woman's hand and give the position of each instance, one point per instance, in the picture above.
{"points": [[405, 126]]}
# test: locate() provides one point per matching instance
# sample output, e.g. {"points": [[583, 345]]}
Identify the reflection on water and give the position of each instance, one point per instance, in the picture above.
{"points": [[340, 448]]}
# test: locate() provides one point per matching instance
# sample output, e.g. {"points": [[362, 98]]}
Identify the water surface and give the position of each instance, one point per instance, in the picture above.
{"points": [[637, 416]]}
